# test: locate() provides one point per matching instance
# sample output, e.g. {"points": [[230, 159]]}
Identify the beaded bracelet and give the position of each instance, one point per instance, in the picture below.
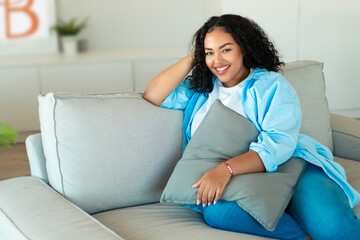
{"points": [[228, 166]]}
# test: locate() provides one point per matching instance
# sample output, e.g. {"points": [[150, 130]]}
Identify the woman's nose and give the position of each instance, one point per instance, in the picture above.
{"points": [[218, 58]]}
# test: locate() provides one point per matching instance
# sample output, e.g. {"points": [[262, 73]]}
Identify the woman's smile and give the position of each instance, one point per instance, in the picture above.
{"points": [[222, 69]]}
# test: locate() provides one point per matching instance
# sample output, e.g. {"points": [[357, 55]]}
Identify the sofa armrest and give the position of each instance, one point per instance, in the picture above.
{"points": [[35, 152], [346, 137], [30, 209]]}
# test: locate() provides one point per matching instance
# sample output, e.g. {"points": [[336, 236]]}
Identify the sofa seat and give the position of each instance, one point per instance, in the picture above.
{"points": [[352, 169], [159, 221]]}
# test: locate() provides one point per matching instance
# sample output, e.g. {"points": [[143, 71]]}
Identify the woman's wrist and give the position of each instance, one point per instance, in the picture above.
{"points": [[190, 59], [228, 168]]}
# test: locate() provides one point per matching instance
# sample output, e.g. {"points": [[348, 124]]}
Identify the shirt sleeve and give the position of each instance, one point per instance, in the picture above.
{"points": [[180, 97], [278, 116]]}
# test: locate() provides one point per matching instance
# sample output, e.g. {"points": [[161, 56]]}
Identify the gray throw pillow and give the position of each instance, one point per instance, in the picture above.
{"points": [[224, 134]]}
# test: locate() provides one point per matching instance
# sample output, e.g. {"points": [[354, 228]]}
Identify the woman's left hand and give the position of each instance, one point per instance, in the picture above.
{"points": [[212, 184]]}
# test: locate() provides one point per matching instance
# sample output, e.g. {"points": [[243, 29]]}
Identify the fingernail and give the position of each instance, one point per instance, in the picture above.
{"points": [[215, 202], [204, 204], [193, 186], [209, 204], [197, 202]]}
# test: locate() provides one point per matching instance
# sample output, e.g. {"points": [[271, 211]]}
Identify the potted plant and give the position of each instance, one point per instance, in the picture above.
{"points": [[8, 136], [68, 32]]}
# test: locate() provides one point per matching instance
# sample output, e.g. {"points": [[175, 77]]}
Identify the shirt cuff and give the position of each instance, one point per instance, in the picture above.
{"points": [[268, 161]]}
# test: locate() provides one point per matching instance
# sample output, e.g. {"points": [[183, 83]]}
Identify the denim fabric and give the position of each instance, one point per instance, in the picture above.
{"points": [[322, 209], [229, 216]]}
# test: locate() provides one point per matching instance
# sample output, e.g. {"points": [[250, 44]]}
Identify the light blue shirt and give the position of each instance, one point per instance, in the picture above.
{"points": [[272, 105]]}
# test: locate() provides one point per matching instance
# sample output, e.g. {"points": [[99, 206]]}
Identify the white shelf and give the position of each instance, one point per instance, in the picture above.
{"points": [[131, 54]]}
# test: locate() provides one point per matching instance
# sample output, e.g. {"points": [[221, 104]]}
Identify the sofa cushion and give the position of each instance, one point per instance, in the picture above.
{"points": [[224, 134], [108, 151], [308, 80], [352, 170], [163, 222]]}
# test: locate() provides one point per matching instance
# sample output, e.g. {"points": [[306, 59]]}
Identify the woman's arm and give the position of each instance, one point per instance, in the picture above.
{"points": [[279, 118], [165, 82]]}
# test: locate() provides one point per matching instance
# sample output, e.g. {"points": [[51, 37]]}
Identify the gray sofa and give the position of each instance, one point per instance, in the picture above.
{"points": [[101, 162]]}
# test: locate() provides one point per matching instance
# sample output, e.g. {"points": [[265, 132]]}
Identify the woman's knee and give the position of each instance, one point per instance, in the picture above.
{"points": [[229, 216], [215, 214], [210, 217], [221, 215]]}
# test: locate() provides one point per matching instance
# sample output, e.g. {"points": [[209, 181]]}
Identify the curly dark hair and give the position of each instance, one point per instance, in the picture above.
{"points": [[258, 51]]}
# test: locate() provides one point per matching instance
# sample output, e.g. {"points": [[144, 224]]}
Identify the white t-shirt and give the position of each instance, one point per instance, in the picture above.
{"points": [[229, 96]]}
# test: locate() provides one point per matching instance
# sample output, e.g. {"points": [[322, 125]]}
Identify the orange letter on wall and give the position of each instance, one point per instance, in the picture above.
{"points": [[34, 24]]}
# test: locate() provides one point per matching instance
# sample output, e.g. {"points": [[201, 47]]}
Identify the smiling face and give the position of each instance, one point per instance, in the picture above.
{"points": [[223, 56]]}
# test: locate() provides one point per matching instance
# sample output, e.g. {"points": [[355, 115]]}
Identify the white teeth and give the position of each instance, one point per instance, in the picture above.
{"points": [[222, 69]]}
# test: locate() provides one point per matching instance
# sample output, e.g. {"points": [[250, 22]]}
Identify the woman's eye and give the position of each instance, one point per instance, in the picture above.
{"points": [[208, 53], [227, 50]]}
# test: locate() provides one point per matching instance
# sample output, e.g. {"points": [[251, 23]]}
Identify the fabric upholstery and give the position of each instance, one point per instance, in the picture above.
{"points": [[224, 134], [97, 146], [352, 169], [29, 209], [35, 152], [9, 231], [346, 135], [163, 222]]}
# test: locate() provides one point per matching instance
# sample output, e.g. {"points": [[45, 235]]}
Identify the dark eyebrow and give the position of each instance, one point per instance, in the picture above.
{"points": [[222, 46]]}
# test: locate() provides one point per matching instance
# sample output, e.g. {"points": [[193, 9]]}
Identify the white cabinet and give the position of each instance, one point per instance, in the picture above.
{"points": [[19, 88], [99, 77]]}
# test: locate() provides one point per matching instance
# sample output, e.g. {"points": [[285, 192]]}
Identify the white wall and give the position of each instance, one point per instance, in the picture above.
{"points": [[322, 30], [116, 24], [330, 32]]}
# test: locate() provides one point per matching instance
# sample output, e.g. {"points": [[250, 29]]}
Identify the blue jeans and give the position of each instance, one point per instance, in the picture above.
{"points": [[322, 208], [229, 216], [319, 208]]}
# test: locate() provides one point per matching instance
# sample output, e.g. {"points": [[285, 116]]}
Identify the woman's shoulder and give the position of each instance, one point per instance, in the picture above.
{"points": [[263, 75], [264, 81]]}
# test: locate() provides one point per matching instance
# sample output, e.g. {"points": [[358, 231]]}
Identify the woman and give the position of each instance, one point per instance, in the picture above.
{"points": [[234, 61]]}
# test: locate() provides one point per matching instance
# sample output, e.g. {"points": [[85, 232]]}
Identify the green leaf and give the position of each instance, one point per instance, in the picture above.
{"points": [[5, 144], [69, 28], [7, 135]]}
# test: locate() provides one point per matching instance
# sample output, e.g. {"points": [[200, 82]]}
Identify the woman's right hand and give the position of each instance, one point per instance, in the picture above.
{"points": [[165, 82]]}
